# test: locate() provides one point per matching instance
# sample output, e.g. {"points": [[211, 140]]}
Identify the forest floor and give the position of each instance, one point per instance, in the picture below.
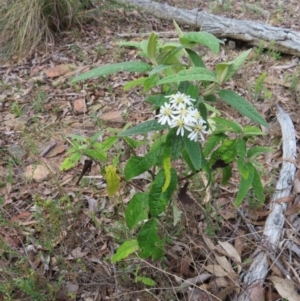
{"points": [[57, 237]]}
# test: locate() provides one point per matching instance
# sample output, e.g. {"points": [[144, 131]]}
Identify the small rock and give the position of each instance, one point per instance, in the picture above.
{"points": [[37, 173], [17, 152]]}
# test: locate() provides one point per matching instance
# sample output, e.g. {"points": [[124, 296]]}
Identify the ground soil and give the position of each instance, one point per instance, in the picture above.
{"points": [[68, 245]]}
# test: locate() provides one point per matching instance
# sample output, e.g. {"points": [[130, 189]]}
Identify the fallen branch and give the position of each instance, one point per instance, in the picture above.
{"points": [[276, 38], [258, 271]]}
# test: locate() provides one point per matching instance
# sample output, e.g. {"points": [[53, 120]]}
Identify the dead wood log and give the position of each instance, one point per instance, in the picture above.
{"points": [[255, 277], [280, 39]]}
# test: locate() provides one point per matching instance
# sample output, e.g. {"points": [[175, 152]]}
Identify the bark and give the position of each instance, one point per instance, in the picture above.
{"points": [[259, 268], [276, 38]]}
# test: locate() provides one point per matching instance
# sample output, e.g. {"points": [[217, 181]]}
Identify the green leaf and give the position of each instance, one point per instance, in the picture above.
{"points": [[241, 152], [143, 128], [95, 154], [173, 185], [226, 174], [212, 142], [203, 38], [77, 137], [152, 46], [194, 151], [252, 131], [227, 125], [193, 73], [137, 210], [242, 106], [245, 185], [133, 143], [255, 151], [161, 68], [145, 280], [227, 151], [113, 68], [150, 82], [157, 100], [257, 187], [148, 240], [112, 180], [134, 83], [138, 165], [171, 56], [226, 70], [193, 91], [177, 145], [195, 58], [167, 159], [157, 199], [107, 143], [127, 248], [70, 161], [95, 137]]}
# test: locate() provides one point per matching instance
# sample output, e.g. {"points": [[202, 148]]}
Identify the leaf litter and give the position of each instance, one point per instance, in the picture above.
{"points": [[82, 230]]}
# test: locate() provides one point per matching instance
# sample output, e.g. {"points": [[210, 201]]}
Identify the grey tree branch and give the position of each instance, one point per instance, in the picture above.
{"points": [[280, 39], [275, 221]]}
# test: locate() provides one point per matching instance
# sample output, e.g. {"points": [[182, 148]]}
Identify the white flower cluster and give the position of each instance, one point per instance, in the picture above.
{"points": [[181, 113]]}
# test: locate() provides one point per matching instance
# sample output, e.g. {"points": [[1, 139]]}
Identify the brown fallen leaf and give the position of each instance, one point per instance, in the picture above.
{"points": [[285, 288], [37, 173], [113, 117], [59, 70], [79, 106]]}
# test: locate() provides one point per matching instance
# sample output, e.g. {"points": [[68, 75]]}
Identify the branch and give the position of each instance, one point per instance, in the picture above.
{"points": [[258, 271], [276, 38]]}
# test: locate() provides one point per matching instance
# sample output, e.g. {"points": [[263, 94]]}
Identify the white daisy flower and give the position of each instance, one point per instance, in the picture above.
{"points": [[167, 114], [180, 100], [182, 124], [197, 130]]}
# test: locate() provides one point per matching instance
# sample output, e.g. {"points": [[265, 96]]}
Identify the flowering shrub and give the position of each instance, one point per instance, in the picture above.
{"points": [[186, 116]]}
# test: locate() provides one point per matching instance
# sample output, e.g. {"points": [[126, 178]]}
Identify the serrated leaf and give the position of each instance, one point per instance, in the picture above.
{"points": [[203, 38], [245, 185], [177, 145], [212, 142], [143, 128], [150, 82], [257, 187], [195, 58], [152, 46], [157, 198], [227, 125], [96, 154], [149, 241], [70, 161], [242, 106], [258, 150], [226, 174], [137, 209], [138, 165], [193, 73], [95, 137], [112, 180], [194, 152], [113, 68], [227, 151], [127, 248], [193, 91], [106, 144]]}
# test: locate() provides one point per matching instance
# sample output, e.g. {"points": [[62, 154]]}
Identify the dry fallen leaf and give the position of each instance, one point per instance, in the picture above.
{"points": [[37, 173], [79, 105], [59, 70], [113, 117], [285, 288]]}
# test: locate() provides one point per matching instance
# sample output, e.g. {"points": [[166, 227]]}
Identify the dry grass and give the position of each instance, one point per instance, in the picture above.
{"points": [[25, 24]]}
